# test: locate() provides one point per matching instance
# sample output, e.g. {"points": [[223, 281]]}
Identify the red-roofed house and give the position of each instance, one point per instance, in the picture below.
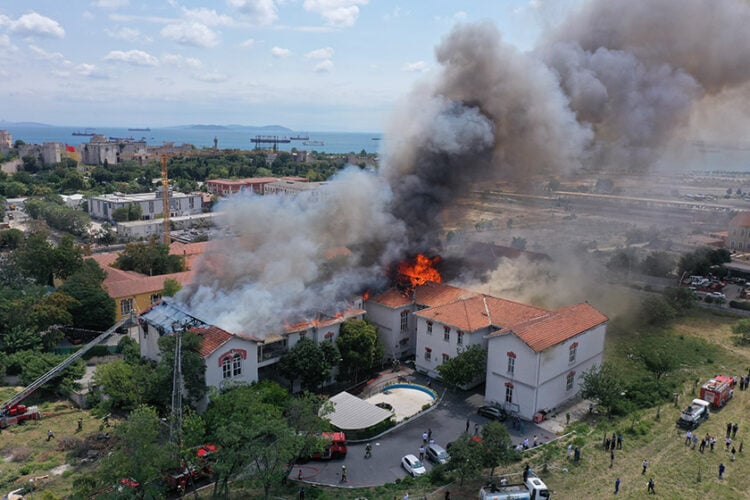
{"points": [[535, 357], [537, 364]]}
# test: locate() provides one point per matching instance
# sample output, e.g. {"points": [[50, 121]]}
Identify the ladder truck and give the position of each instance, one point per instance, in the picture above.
{"points": [[13, 412]]}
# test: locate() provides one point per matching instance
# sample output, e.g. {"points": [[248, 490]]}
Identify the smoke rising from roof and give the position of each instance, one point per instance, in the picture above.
{"points": [[608, 89]]}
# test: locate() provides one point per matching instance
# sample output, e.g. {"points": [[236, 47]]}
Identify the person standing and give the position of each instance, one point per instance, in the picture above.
{"points": [[343, 473], [645, 467], [722, 468], [617, 486], [467, 425], [447, 494], [611, 458], [733, 452], [712, 442], [569, 452], [619, 441], [651, 486], [429, 434], [50, 434], [424, 437], [728, 443], [421, 452], [729, 429], [567, 418], [734, 430], [80, 424], [576, 454], [526, 471]]}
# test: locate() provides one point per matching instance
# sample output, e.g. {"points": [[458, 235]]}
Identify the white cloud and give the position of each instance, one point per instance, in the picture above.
{"points": [[261, 12], [87, 15], [460, 16], [280, 52], [90, 71], [324, 66], [342, 13], [44, 55], [248, 44], [181, 61], [208, 17], [415, 67], [110, 4], [324, 53], [211, 77], [128, 34], [194, 34], [4, 42], [34, 24], [134, 57]]}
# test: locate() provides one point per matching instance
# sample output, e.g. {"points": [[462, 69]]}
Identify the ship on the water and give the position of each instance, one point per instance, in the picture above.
{"points": [[313, 143], [300, 137], [139, 129], [89, 132]]}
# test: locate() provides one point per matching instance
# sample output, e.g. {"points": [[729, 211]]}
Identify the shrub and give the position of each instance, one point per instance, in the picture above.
{"points": [[20, 454]]}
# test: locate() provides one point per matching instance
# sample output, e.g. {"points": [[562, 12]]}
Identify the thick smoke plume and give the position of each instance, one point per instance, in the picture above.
{"points": [[610, 88]]}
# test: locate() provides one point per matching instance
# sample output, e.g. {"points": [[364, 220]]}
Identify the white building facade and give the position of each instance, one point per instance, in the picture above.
{"points": [[152, 205]]}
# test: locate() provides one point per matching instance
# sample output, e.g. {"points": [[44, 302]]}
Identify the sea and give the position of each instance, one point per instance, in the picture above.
{"points": [[228, 138]]}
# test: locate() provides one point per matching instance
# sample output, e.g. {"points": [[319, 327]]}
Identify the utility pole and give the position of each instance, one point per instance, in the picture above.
{"points": [[175, 424]]}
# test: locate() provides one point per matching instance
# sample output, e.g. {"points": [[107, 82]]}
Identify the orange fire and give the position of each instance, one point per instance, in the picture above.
{"points": [[421, 270], [366, 295]]}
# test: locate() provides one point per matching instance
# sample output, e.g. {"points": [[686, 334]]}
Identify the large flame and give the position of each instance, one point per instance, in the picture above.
{"points": [[420, 270]]}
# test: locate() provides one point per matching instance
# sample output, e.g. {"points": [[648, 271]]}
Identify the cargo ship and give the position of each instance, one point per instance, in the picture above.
{"points": [[139, 129], [313, 143], [300, 137], [87, 133]]}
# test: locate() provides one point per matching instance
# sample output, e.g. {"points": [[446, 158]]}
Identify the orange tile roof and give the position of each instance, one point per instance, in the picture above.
{"points": [[433, 294], [392, 298], [742, 219], [481, 311], [555, 327], [143, 284], [213, 338]]}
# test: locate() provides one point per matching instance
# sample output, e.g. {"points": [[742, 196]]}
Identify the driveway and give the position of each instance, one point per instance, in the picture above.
{"points": [[447, 420]]}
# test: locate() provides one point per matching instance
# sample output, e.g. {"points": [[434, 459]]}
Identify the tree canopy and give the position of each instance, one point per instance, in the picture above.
{"points": [[470, 365], [309, 361], [360, 348], [603, 384], [150, 258]]}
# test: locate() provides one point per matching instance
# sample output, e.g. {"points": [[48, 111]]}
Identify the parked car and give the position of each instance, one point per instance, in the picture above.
{"points": [[493, 412], [717, 295], [437, 454], [413, 466]]}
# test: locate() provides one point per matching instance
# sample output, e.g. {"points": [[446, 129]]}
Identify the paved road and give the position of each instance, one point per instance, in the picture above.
{"points": [[447, 421]]}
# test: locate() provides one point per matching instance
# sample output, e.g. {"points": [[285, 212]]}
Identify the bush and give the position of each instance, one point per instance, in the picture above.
{"points": [[745, 306]]}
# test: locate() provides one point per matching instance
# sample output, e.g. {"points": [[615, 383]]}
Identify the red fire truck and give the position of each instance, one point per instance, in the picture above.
{"points": [[718, 390], [334, 448], [17, 414]]}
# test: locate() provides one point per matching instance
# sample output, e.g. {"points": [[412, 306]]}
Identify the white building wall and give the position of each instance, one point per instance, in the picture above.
{"points": [[523, 377], [439, 346], [388, 323], [214, 371], [148, 340], [555, 360]]}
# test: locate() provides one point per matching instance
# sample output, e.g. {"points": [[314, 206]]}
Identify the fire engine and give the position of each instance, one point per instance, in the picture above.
{"points": [[17, 414], [334, 448], [718, 390]]}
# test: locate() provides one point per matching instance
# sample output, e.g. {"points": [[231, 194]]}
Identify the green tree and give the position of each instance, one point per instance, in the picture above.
{"points": [[468, 366], [248, 424], [94, 309], [681, 299], [603, 384], [126, 386], [171, 287], [140, 452], [10, 239], [309, 361], [660, 264], [193, 370], [497, 446], [657, 311], [152, 259], [467, 458], [360, 348]]}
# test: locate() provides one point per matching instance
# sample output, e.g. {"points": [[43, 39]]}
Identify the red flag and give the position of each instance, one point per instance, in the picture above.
{"points": [[70, 149]]}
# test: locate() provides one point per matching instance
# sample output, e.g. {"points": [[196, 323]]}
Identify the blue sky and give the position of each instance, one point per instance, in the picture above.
{"points": [[319, 65]]}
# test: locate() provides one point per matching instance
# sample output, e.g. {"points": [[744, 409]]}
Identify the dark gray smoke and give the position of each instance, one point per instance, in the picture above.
{"points": [[608, 89]]}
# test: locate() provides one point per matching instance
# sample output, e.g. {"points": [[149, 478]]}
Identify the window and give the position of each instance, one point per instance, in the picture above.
{"points": [[446, 358], [460, 338], [126, 305], [508, 392], [329, 336], [569, 381], [150, 207], [236, 365], [226, 367], [191, 202], [429, 328], [404, 321], [427, 354], [572, 353], [156, 297], [511, 362], [447, 333]]}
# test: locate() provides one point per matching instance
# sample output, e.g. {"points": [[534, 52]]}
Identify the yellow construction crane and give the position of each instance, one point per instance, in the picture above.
{"points": [[165, 197]]}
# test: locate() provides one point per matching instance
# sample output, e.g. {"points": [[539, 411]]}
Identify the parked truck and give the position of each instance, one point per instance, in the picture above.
{"points": [[18, 414], [533, 489], [718, 390], [335, 446], [692, 416]]}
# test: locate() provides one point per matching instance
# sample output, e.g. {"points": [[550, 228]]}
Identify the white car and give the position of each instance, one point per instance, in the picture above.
{"points": [[717, 295], [437, 454], [413, 465]]}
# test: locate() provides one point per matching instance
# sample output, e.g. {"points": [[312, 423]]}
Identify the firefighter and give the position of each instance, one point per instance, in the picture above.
{"points": [[368, 450]]}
